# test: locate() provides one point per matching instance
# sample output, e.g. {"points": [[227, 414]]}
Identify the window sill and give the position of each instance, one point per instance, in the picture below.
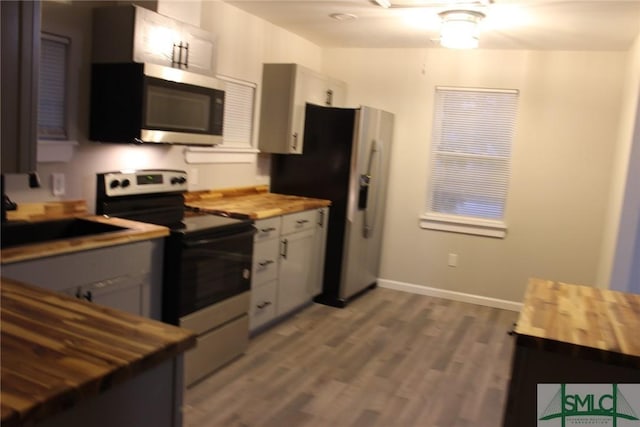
{"points": [[55, 151], [464, 225], [220, 155]]}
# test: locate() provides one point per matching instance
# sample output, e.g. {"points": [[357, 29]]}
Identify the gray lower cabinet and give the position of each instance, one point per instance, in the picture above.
{"points": [[288, 264], [126, 277]]}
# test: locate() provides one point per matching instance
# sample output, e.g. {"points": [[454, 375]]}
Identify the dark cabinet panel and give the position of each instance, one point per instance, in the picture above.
{"points": [[20, 59]]}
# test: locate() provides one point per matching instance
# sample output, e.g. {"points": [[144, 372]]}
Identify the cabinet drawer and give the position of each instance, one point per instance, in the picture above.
{"points": [[265, 262], [299, 221], [263, 304], [267, 229]]}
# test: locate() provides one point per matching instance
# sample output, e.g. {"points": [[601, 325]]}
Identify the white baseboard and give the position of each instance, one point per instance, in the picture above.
{"points": [[452, 295]]}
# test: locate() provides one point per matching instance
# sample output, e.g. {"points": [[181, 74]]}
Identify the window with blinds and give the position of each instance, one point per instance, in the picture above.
{"points": [[52, 90], [470, 160], [239, 99]]}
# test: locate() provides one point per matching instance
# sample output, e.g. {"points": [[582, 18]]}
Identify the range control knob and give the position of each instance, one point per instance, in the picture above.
{"points": [[178, 180], [114, 184], [125, 183]]}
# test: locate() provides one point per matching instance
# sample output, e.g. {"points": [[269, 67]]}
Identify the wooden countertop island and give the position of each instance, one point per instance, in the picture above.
{"points": [[594, 323], [250, 202], [61, 354], [571, 334]]}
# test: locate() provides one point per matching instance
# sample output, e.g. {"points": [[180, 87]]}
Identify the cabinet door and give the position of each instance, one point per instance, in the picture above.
{"points": [[202, 50], [129, 293], [286, 89], [310, 87], [263, 304], [296, 257], [319, 247], [20, 59], [337, 93], [156, 38], [265, 262]]}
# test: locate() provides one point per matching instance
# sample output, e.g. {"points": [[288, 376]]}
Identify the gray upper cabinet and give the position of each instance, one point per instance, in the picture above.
{"points": [[20, 58], [133, 33], [286, 89]]}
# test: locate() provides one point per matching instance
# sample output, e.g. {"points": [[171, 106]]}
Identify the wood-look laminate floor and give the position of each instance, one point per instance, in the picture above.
{"points": [[389, 359]]}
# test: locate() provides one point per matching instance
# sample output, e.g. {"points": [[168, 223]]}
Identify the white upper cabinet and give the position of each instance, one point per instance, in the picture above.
{"points": [[286, 89], [133, 33]]}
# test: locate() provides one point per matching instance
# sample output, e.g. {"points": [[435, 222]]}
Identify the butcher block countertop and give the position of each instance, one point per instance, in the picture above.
{"points": [[58, 350], [581, 321], [48, 210], [135, 231], [250, 202]]}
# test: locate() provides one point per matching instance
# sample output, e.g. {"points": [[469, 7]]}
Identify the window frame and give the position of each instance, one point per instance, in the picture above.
{"points": [[480, 226], [66, 41]]}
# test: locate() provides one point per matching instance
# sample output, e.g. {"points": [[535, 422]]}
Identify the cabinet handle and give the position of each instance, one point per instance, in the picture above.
{"points": [[266, 230], [295, 141], [285, 244], [264, 304], [302, 221], [329, 99], [186, 55], [176, 60], [265, 263], [88, 296], [321, 220]]}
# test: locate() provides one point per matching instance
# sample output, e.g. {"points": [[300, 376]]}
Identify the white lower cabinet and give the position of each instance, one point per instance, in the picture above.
{"points": [[288, 264], [126, 277]]}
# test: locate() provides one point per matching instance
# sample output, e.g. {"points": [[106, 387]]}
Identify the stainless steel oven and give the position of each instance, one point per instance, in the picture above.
{"points": [[207, 263]]}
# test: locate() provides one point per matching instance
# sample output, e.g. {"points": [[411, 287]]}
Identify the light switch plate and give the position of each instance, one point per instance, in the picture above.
{"points": [[58, 184]]}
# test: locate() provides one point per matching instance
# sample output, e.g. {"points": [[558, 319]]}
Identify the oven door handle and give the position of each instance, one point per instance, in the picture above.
{"points": [[204, 242]]}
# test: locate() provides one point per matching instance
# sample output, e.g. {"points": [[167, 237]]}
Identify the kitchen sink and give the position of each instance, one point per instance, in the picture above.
{"points": [[25, 233]]}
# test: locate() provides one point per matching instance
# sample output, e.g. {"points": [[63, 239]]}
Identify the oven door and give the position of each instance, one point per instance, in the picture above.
{"points": [[214, 268]]}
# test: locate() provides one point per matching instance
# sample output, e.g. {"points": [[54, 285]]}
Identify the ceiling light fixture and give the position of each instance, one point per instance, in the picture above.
{"points": [[384, 3], [460, 28], [343, 17]]}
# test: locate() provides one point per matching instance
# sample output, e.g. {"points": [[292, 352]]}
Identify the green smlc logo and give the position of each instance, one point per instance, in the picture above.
{"points": [[586, 405]]}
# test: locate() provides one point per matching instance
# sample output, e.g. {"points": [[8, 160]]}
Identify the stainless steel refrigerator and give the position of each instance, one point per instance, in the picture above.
{"points": [[346, 160]]}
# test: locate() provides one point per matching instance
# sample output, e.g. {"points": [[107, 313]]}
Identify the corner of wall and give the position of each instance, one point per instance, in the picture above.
{"points": [[618, 253]]}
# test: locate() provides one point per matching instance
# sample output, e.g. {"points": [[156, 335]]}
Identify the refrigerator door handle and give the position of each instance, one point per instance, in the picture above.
{"points": [[369, 214]]}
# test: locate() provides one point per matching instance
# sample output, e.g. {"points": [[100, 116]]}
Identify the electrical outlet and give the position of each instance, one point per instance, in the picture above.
{"points": [[58, 184], [453, 260]]}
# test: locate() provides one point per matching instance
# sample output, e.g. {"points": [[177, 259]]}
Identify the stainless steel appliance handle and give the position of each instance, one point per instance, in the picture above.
{"points": [[370, 214], [204, 242]]}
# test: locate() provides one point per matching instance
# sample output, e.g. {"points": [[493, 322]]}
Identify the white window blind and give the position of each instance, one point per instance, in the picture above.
{"points": [[52, 99], [471, 155], [238, 112]]}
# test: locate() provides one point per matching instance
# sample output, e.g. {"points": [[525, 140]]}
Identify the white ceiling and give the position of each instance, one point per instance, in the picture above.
{"points": [[509, 24]]}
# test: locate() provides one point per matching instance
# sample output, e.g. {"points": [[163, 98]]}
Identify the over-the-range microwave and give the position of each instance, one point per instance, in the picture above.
{"points": [[134, 102]]}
